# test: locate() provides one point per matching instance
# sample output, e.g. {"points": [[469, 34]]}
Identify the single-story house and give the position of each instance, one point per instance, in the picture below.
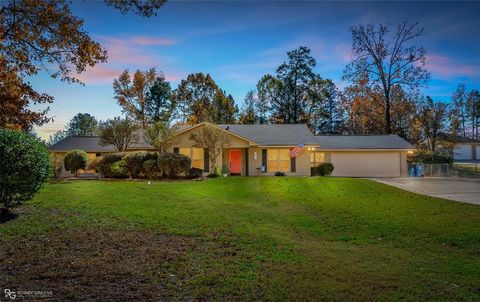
{"points": [[466, 149], [266, 149]]}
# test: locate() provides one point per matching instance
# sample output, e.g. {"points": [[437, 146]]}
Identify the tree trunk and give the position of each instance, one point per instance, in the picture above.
{"points": [[388, 120]]}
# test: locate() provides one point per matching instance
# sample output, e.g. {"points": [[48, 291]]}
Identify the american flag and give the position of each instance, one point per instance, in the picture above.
{"points": [[296, 150]]}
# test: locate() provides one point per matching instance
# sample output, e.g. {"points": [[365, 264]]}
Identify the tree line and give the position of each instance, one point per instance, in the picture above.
{"points": [[384, 77]]}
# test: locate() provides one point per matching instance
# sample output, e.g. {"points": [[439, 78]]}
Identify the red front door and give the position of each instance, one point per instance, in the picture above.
{"points": [[235, 162]]}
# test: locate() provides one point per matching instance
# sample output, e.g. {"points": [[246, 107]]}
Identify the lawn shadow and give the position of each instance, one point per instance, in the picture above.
{"points": [[6, 216]]}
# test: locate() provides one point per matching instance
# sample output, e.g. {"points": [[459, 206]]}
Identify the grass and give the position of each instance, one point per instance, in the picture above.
{"points": [[257, 238]]}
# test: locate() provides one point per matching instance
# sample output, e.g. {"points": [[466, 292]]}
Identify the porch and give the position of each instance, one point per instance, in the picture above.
{"points": [[236, 160]]}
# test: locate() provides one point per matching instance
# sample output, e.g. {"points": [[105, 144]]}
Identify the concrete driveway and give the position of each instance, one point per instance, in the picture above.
{"points": [[463, 190]]}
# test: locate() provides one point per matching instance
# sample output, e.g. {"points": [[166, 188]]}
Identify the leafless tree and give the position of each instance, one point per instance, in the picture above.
{"points": [[213, 139], [388, 60]]}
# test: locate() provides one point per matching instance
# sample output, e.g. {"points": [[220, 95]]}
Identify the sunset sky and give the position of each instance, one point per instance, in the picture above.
{"points": [[238, 42]]}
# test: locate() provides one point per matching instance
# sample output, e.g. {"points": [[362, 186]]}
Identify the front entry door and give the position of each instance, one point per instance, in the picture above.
{"points": [[235, 162]]}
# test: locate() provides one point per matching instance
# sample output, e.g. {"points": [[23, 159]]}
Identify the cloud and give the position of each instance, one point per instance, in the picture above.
{"points": [[447, 67], [99, 74], [122, 51], [129, 53], [150, 41], [343, 51]]}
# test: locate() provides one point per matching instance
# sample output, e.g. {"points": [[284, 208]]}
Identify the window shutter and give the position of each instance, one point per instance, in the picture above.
{"points": [[293, 164], [206, 160], [264, 159], [175, 150]]}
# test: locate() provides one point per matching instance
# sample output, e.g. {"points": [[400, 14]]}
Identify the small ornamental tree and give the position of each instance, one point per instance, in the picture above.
{"points": [[213, 139], [75, 160], [121, 133], [25, 164], [160, 136]]}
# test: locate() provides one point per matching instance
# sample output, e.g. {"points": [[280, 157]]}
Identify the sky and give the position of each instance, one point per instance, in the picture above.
{"points": [[239, 42]]}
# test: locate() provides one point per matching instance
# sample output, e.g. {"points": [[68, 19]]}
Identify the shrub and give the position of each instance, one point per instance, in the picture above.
{"points": [[173, 164], [324, 169], [194, 173], [225, 170], [105, 162], [134, 162], [216, 173], [25, 164], [150, 168], [278, 173], [57, 165], [118, 169], [428, 157], [75, 160]]}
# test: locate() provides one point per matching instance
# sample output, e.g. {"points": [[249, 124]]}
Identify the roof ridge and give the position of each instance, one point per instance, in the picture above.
{"points": [[356, 135]]}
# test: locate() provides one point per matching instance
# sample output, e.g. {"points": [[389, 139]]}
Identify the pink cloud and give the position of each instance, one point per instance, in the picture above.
{"points": [[100, 74], [122, 51], [172, 77], [447, 67], [142, 40], [343, 51], [105, 74]]}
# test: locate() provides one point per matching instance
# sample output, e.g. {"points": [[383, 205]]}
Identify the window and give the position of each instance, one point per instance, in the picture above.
{"points": [[195, 154], [278, 160], [316, 158], [197, 158]]}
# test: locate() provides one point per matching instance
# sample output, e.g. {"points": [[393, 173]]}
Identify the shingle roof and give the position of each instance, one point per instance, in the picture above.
{"points": [[266, 135], [85, 143], [362, 142], [274, 135]]}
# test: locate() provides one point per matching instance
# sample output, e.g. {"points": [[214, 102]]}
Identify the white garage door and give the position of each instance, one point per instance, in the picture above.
{"points": [[366, 164], [462, 152]]}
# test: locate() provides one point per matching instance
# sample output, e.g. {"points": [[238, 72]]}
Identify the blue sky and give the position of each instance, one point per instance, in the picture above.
{"points": [[238, 42]]}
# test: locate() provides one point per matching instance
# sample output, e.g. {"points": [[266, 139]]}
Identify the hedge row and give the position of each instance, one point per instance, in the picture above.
{"points": [[144, 164]]}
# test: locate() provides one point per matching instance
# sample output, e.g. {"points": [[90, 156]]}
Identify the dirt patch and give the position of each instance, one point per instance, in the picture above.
{"points": [[96, 264]]}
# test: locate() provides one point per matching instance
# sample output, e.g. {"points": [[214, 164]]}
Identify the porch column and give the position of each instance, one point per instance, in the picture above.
{"points": [[246, 161]]}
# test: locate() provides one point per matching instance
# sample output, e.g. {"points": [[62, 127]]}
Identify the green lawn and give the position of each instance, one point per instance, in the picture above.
{"points": [[257, 238]]}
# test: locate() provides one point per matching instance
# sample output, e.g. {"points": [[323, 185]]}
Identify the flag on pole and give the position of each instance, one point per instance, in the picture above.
{"points": [[296, 150]]}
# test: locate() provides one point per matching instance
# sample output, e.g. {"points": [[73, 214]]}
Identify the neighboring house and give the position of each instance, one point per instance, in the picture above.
{"points": [[265, 149], [466, 149]]}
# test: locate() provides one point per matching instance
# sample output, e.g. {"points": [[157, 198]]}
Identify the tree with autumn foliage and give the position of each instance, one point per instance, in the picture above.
{"points": [[431, 124], [44, 35], [199, 99], [465, 116], [160, 103], [389, 61], [296, 94], [130, 91], [365, 107], [119, 132]]}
